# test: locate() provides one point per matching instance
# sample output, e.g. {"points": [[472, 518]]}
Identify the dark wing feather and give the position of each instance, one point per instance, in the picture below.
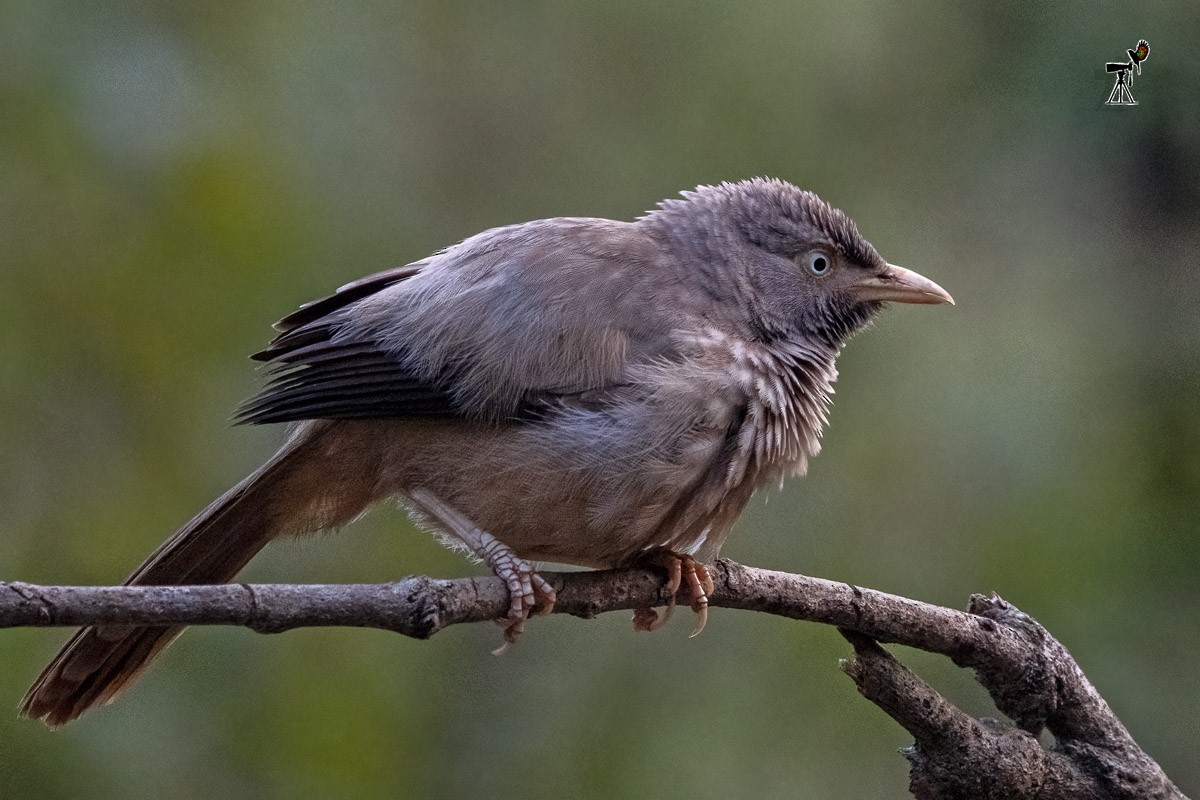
{"points": [[321, 373], [350, 293], [577, 286]]}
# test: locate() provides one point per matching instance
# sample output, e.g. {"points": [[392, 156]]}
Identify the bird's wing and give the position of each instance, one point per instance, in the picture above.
{"points": [[317, 374], [504, 324]]}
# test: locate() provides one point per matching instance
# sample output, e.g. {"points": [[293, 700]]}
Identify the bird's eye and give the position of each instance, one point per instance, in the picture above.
{"points": [[818, 264]]}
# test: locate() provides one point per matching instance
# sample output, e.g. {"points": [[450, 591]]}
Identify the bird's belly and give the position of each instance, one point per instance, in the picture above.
{"points": [[552, 497]]}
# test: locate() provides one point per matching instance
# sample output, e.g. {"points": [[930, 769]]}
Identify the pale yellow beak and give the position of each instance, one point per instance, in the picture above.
{"points": [[900, 285]]}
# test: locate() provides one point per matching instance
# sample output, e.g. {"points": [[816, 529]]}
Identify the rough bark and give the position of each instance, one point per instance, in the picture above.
{"points": [[1029, 674]]}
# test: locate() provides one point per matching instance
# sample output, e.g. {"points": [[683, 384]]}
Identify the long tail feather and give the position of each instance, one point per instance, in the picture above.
{"points": [[292, 493]]}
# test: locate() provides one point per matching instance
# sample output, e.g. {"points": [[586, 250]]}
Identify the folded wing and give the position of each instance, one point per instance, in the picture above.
{"points": [[500, 327]]}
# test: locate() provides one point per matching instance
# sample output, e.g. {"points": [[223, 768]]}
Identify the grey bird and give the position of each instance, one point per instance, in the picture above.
{"points": [[571, 390]]}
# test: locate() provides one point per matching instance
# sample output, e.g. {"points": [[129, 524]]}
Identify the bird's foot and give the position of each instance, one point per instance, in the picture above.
{"points": [[528, 592], [682, 571]]}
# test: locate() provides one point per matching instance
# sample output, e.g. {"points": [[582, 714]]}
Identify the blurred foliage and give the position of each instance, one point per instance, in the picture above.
{"points": [[175, 177]]}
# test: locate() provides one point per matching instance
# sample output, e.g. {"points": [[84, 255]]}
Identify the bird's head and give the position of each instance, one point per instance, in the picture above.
{"points": [[796, 265]]}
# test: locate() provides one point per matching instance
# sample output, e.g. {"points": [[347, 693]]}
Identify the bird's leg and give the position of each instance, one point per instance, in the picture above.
{"points": [[682, 570], [527, 591]]}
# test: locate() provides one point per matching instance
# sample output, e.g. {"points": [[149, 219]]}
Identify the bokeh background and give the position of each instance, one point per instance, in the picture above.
{"points": [[174, 178]]}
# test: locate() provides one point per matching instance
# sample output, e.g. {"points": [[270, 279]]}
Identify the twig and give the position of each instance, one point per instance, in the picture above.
{"points": [[1029, 674]]}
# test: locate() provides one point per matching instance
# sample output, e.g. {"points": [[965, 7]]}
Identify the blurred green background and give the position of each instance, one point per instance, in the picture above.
{"points": [[172, 180]]}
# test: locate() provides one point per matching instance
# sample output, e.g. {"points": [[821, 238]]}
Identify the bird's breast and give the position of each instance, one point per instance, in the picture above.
{"points": [[783, 392]]}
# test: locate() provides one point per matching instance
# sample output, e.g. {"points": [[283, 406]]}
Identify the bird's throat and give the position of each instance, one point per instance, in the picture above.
{"points": [[787, 387]]}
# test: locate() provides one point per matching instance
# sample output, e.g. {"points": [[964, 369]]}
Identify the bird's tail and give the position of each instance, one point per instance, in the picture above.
{"points": [[294, 492]]}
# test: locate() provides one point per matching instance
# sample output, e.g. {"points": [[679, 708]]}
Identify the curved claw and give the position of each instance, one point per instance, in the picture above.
{"points": [[647, 619], [548, 595], [700, 586], [529, 593], [681, 569]]}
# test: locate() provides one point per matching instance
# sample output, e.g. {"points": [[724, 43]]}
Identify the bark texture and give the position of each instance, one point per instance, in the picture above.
{"points": [[1031, 677]]}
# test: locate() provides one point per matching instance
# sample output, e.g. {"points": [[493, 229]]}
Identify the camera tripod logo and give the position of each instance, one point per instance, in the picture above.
{"points": [[1120, 95]]}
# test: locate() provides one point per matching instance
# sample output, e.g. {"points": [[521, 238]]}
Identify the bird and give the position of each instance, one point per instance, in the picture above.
{"points": [[571, 390]]}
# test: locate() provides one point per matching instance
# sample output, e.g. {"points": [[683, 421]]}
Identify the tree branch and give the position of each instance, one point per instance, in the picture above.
{"points": [[1029, 674]]}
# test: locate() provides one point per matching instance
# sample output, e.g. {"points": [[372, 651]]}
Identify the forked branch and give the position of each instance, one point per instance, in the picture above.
{"points": [[1029, 674]]}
